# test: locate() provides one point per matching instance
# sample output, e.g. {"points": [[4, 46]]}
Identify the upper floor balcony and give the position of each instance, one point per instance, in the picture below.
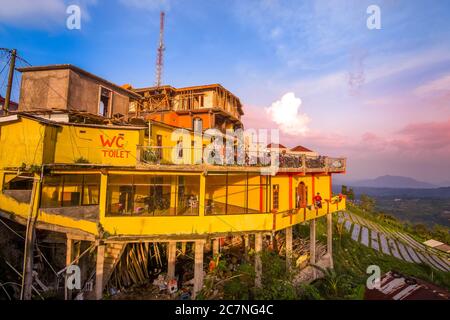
{"points": [[189, 158]]}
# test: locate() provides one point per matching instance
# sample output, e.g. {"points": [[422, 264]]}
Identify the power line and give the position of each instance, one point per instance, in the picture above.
{"points": [[7, 63]]}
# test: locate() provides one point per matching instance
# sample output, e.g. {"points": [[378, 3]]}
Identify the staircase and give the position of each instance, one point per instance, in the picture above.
{"points": [[113, 253]]}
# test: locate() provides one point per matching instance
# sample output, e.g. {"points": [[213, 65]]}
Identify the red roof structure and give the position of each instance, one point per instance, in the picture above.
{"points": [[300, 148], [276, 145]]}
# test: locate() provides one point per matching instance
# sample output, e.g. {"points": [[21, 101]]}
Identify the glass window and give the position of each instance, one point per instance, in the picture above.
{"points": [[70, 190], [235, 194], [153, 195]]}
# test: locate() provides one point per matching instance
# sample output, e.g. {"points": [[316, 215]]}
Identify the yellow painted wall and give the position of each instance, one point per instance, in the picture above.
{"points": [[104, 146], [180, 225], [22, 141]]}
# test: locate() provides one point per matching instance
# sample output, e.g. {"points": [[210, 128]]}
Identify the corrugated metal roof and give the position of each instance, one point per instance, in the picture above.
{"points": [[395, 286]]}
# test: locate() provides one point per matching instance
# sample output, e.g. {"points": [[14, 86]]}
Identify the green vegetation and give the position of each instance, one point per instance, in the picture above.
{"points": [[351, 259], [420, 231], [81, 160]]}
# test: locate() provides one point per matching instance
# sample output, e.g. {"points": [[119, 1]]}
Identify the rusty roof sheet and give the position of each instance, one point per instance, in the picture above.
{"points": [[395, 286]]}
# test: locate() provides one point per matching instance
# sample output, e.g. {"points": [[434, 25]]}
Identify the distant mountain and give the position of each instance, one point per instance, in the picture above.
{"points": [[437, 193], [396, 182], [445, 183]]}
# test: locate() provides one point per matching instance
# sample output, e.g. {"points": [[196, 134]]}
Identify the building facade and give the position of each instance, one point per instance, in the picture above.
{"points": [[143, 180]]}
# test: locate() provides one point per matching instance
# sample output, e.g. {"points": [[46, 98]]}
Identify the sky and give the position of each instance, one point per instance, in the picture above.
{"points": [[312, 69]]}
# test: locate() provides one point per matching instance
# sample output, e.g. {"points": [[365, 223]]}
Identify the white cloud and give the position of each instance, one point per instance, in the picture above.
{"points": [[40, 14], [286, 114], [32, 13]]}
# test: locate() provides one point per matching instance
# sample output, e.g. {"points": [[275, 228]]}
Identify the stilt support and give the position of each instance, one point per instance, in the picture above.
{"points": [[198, 267], [69, 250], [99, 272], [258, 262], [289, 248], [171, 259], [330, 238]]}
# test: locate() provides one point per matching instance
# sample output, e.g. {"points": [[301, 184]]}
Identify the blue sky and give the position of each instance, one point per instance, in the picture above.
{"points": [[371, 95]]}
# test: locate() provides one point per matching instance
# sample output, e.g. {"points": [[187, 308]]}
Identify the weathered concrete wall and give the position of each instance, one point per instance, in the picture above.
{"points": [[44, 90], [83, 93], [120, 104], [68, 90]]}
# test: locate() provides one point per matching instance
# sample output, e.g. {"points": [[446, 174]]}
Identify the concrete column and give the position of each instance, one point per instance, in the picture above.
{"points": [[246, 245], [69, 246], [258, 263], [312, 241], [198, 267], [171, 259], [246, 242], [330, 238], [289, 248], [215, 247], [99, 272]]}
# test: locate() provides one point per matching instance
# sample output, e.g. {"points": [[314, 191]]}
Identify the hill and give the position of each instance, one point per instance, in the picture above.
{"points": [[397, 182]]}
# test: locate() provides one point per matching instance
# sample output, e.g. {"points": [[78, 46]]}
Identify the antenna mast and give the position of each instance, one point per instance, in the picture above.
{"points": [[160, 51]]}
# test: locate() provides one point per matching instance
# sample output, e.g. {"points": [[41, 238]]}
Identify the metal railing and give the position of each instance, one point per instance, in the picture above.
{"points": [[153, 155]]}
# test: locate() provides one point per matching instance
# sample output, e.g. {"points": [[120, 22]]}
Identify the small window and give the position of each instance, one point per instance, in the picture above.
{"points": [[198, 125], [105, 98], [276, 198]]}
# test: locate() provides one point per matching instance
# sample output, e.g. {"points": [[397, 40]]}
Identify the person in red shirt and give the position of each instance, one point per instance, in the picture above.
{"points": [[318, 200]]}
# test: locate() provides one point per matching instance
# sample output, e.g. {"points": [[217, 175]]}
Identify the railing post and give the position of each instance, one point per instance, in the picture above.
{"points": [[102, 200], [304, 163], [138, 154], [202, 191]]}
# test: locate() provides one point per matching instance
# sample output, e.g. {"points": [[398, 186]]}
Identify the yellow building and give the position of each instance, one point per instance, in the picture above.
{"points": [[144, 181]]}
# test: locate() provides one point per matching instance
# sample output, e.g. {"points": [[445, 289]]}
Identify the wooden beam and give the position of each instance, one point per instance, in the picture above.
{"points": [[312, 241], [27, 275], [289, 247], [171, 259], [330, 238], [69, 247], [99, 271], [258, 262], [198, 267], [215, 247]]}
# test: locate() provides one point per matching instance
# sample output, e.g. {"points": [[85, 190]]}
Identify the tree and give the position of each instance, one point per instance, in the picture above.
{"points": [[421, 230], [351, 194], [441, 233], [367, 203], [344, 189]]}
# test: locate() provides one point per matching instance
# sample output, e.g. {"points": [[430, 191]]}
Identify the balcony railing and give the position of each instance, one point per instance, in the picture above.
{"points": [[152, 155]]}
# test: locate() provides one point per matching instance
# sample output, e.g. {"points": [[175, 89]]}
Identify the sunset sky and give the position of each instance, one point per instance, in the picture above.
{"points": [[310, 68]]}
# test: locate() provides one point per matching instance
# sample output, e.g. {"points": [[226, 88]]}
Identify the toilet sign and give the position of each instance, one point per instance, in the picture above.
{"points": [[113, 147]]}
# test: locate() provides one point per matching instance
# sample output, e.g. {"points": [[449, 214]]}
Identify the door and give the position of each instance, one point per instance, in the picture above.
{"points": [[159, 145], [302, 195]]}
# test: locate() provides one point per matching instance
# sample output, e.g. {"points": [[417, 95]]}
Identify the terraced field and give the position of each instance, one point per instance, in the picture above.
{"points": [[392, 242]]}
